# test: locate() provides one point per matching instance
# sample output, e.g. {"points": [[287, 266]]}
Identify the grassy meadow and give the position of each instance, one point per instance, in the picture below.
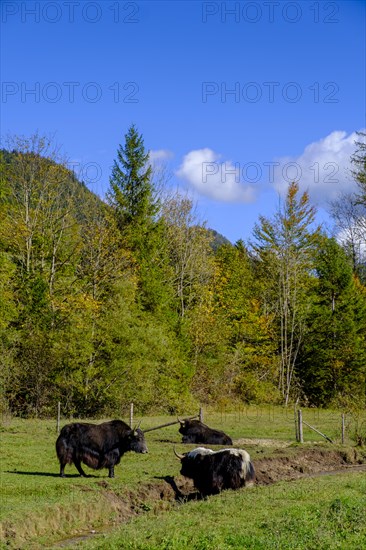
{"points": [[40, 510], [321, 513]]}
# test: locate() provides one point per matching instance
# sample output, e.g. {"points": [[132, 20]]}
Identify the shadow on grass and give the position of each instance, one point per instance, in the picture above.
{"points": [[46, 474], [179, 496]]}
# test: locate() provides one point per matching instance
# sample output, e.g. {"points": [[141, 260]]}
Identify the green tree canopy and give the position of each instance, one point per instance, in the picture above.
{"points": [[284, 249], [333, 356], [131, 190]]}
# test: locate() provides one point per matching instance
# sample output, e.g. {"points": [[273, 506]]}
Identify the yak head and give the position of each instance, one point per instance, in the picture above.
{"points": [[137, 441], [186, 425], [191, 461]]}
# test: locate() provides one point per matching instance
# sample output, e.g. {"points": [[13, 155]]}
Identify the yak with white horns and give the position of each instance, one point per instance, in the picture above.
{"points": [[215, 471], [97, 445]]}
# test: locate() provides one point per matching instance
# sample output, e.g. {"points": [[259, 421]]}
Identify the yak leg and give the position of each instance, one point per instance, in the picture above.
{"points": [[79, 468], [111, 459]]}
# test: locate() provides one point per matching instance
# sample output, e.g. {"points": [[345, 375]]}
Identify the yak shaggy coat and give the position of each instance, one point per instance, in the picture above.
{"points": [[215, 471], [97, 445], [194, 431]]}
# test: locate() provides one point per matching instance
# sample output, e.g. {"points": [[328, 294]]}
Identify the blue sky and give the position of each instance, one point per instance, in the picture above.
{"points": [[236, 98]]}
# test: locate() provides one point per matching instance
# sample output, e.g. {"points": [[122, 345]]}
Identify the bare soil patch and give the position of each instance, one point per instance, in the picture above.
{"points": [[306, 462], [262, 443]]}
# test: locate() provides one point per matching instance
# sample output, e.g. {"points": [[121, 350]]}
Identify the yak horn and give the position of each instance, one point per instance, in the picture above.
{"points": [[136, 428], [178, 455], [180, 421]]}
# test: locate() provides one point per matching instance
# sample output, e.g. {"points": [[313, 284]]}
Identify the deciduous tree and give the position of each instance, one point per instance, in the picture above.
{"points": [[284, 249]]}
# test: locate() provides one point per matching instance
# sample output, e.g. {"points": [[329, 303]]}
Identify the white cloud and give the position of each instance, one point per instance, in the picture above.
{"points": [[159, 155], [323, 169], [217, 180]]}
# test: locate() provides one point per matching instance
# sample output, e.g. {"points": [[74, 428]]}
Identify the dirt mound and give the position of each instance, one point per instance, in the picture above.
{"points": [[307, 462], [262, 443]]}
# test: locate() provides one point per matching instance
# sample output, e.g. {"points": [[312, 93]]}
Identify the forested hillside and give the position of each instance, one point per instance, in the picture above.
{"points": [[133, 299]]}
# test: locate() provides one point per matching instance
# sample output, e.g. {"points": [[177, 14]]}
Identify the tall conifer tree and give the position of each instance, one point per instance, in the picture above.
{"points": [[132, 195], [333, 356], [131, 191]]}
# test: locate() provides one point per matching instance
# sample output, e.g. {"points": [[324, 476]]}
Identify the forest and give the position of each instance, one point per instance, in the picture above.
{"points": [[133, 298]]}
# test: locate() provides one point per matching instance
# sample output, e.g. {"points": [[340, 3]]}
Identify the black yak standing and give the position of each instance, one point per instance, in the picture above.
{"points": [[97, 445]]}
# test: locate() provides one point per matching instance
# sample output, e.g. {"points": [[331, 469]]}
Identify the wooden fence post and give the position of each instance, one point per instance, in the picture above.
{"points": [[343, 428], [296, 425], [299, 417], [58, 417], [200, 416], [131, 415]]}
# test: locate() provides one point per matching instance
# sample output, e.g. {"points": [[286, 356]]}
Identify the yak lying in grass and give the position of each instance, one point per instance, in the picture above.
{"points": [[215, 471], [97, 445], [194, 431]]}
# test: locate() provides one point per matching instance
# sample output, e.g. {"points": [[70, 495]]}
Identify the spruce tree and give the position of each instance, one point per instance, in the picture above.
{"points": [[333, 356], [131, 191], [132, 195]]}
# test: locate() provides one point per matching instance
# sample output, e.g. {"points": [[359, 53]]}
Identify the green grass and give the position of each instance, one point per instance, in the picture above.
{"points": [[270, 422], [38, 508], [322, 513]]}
